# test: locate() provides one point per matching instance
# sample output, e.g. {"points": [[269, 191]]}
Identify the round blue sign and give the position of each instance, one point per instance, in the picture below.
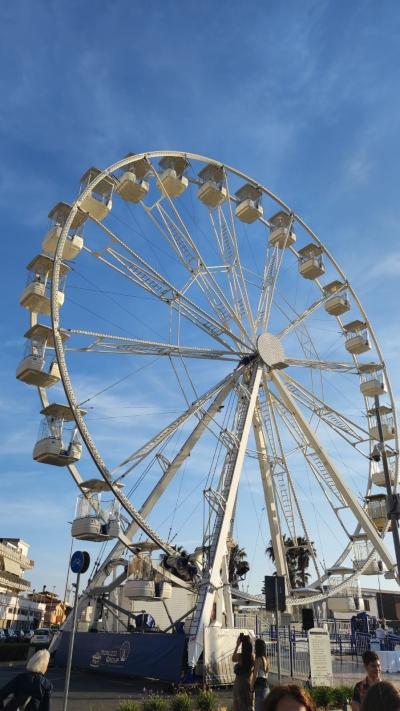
{"points": [[80, 562]]}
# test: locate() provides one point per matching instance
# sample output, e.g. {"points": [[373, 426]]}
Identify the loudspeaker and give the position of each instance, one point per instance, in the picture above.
{"points": [[271, 582], [307, 616]]}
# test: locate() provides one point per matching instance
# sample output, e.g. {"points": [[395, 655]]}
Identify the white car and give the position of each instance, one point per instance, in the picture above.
{"points": [[41, 636]]}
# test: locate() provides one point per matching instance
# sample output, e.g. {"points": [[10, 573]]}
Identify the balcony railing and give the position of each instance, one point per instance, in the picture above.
{"points": [[13, 554]]}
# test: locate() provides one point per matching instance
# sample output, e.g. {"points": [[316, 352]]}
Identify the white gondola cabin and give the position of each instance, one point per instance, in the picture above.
{"points": [[378, 476], [375, 505], [97, 516], [281, 234], [337, 303], [36, 295], [56, 444], [171, 180], [98, 202], [357, 338], [212, 191], [387, 423], [311, 265], [362, 550], [140, 589], [38, 366], [132, 185], [345, 600], [372, 380], [249, 207], [74, 242]]}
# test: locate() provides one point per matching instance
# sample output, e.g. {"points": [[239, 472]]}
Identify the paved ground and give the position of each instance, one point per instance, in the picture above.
{"points": [[96, 692], [89, 691]]}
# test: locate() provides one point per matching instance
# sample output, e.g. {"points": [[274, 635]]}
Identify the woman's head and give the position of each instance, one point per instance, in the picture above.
{"points": [[382, 695], [260, 648], [39, 662], [289, 698]]}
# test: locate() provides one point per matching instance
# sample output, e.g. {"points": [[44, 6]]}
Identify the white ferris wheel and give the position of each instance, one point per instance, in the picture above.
{"points": [[236, 344]]}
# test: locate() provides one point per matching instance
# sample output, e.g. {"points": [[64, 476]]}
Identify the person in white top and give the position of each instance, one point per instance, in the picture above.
{"points": [[259, 679]]}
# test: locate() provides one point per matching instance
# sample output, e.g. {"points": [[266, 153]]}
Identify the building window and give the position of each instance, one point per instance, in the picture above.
{"points": [[367, 607]]}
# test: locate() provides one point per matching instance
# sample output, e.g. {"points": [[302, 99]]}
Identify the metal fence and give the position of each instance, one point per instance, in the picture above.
{"points": [[346, 651]]}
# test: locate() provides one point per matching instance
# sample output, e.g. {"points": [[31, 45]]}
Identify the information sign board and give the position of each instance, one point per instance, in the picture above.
{"points": [[320, 657]]}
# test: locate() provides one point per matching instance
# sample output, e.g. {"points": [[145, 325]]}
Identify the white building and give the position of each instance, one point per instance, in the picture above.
{"points": [[16, 610]]}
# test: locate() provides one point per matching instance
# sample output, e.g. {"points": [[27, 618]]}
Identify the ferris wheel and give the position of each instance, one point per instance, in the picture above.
{"points": [[242, 360]]}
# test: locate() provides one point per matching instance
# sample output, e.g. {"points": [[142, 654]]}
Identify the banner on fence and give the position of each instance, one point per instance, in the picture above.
{"points": [[219, 645], [320, 657]]}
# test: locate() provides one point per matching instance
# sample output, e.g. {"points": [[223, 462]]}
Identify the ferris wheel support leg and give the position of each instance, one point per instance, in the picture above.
{"points": [[232, 469], [351, 501], [269, 496], [226, 590]]}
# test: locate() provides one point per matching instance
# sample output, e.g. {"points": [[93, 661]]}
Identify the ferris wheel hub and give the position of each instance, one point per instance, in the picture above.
{"points": [[271, 350]]}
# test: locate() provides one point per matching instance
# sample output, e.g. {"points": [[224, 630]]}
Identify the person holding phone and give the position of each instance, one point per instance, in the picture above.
{"points": [[243, 697]]}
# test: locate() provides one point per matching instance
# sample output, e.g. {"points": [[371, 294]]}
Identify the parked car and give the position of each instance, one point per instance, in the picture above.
{"points": [[11, 635], [41, 636], [28, 635], [2, 636]]}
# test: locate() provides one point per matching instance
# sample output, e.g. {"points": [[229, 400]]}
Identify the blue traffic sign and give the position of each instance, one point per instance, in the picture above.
{"points": [[80, 562]]}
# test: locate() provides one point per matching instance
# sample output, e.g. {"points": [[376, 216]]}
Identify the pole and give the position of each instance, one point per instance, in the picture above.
{"points": [[67, 578], [71, 643], [392, 516], [278, 651]]}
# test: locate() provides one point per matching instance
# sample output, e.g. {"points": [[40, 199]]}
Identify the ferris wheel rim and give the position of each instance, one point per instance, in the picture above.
{"points": [[55, 309]]}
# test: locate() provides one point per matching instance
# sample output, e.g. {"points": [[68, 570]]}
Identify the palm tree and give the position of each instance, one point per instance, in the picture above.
{"points": [[297, 557], [238, 566]]}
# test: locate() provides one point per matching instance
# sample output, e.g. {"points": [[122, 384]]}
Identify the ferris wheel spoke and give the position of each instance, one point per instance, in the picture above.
{"points": [[308, 311], [279, 467], [264, 461], [339, 366], [178, 237], [136, 457], [344, 491], [145, 276], [343, 425], [272, 268], [282, 477], [332, 495], [228, 243], [107, 343]]}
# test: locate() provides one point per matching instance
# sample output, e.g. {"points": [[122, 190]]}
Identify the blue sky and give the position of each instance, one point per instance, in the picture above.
{"points": [[302, 96]]}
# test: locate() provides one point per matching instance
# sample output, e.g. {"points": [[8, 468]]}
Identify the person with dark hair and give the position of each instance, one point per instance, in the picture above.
{"points": [[30, 690], [372, 666], [289, 698], [244, 663], [382, 695], [259, 679]]}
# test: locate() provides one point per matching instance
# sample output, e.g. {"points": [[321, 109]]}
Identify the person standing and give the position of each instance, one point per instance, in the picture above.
{"points": [[372, 666], [30, 690], [244, 663], [259, 679]]}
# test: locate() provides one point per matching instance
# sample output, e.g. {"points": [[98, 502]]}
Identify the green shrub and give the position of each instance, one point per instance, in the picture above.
{"points": [[156, 703], [13, 652], [207, 701], [340, 694], [181, 702], [322, 696], [128, 705]]}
